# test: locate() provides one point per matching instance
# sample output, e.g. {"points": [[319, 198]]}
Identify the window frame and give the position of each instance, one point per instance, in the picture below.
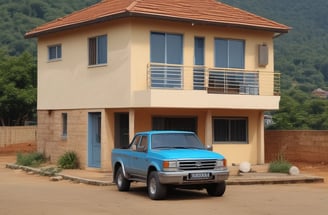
{"points": [[58, 52], [96, 49], [232, 140], [199, 63], [64, 118], [166, 53]]}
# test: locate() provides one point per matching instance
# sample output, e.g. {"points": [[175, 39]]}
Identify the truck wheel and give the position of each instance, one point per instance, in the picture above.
{"points": [[216, 189], [122, 183], [156, 190]]}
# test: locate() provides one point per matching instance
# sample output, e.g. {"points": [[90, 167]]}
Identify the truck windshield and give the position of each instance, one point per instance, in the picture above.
{"points": [[183, 140]]}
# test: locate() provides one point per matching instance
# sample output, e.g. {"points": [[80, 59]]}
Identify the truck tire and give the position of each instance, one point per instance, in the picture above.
{"points": [[216, 189], [121, 182], [156, 190]]}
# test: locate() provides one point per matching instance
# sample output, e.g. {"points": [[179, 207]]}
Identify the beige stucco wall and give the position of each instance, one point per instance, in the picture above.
{"points": [[141, 40], [70, 85], [235, 153], [123, 81], [53, 145]]}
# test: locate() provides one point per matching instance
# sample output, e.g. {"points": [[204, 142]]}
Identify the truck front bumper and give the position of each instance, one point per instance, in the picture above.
{"points": [[186, 177]]}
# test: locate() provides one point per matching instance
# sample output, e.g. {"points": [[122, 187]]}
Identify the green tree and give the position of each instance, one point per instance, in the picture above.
{"points": [[17, 89]]}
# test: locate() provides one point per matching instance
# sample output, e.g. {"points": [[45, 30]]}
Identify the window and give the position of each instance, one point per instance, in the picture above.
{"points": [[135, 142], [175, 123], [166, 49], [143, 145], [54, 52], [230, 130], [64, 125], [199, 59], [98, 50], [176, 140], [229, 53], [139, 144]]}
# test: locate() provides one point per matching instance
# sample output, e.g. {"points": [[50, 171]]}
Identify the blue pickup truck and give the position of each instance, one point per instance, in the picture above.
{"points": [[165, 159]]}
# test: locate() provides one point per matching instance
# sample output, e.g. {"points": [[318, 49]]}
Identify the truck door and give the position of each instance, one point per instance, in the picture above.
{"points": [[138, 158]]}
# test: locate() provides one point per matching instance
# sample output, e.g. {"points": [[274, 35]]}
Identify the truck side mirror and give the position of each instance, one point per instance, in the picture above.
{"points": [[209, 147]]}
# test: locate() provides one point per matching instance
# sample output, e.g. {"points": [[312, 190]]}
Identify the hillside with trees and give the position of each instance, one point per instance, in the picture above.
{"points": [[18, 76], [301, 56], [20, 16]]}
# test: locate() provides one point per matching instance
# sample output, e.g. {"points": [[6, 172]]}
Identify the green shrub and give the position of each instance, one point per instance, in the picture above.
{"points": [[280, 165], [68, 160], [33, 159]]}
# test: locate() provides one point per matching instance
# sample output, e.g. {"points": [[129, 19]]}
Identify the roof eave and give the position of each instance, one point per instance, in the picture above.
{"points": [[32, 34], [208, 22]]}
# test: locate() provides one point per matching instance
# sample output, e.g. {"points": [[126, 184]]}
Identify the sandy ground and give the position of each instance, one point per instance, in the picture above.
{"points": [[26, 194], [317, 169]]}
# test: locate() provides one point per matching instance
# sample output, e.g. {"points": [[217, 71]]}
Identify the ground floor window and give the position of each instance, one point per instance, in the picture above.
{"points": [[230, 130], [64, 125], [175, 123]]}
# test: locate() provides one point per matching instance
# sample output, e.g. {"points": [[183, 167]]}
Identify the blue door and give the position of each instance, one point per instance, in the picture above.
{"points": [[94, 140]]}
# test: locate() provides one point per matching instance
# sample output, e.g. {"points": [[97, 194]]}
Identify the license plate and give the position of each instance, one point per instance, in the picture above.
{"points": [[199, 176]]}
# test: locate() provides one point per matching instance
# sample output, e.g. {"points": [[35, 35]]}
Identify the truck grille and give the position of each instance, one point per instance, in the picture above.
{"points": [[197, 164]]}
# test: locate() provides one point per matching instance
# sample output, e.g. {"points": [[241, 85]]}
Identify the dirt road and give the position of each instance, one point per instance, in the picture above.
{"points": [[21, 193]]}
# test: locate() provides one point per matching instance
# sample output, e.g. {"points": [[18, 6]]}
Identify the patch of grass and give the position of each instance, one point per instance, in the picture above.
{"points": [[69, 160], [280, 165], [33, 159]]}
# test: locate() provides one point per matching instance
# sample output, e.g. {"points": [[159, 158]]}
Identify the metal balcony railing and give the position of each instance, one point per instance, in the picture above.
{"points": [[213, 80], [166, 76], [233, 82]]}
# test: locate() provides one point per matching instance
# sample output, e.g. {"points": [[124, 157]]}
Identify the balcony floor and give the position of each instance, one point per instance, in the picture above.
{"points": [[202, 99]]}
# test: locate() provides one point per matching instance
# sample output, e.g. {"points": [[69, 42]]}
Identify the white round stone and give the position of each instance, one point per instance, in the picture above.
{"points": [[244, 167], [294, 170]]}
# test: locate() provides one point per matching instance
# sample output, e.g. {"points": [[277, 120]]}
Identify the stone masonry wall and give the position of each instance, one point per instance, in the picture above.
{"points": [[17, 134], [50, 139], [305, 146]]}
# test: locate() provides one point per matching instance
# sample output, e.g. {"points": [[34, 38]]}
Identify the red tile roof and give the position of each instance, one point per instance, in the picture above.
{"points": [[196, 11]]}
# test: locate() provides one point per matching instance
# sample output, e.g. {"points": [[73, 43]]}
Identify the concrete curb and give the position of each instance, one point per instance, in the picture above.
{"points": [[85, 181], [283, 180], [244, 179], [65, 177]]}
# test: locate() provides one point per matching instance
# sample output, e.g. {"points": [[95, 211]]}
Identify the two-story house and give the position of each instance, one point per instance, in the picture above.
{"points": [[123, 66]]}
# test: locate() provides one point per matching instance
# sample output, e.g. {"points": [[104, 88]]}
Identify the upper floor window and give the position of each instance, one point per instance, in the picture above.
{"points": [[98, 50], [54, 52], [230, 53], [166, 54], [199, 61], [230, 130], [166, 48]]}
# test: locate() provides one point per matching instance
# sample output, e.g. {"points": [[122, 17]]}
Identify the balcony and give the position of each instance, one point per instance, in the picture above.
{"points": [[213, 80], [176, 86]]}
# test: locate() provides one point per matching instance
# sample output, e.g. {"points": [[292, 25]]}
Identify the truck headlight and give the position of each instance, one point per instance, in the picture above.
{"points": [[221, 163], [170, 165]]}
